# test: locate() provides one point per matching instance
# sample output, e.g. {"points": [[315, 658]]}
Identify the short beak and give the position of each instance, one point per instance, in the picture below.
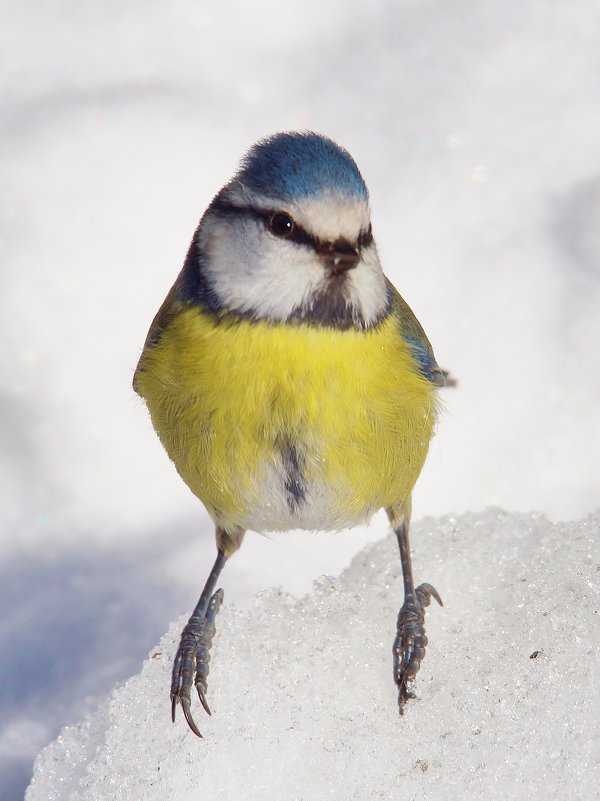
{"points": [[340, 256]]}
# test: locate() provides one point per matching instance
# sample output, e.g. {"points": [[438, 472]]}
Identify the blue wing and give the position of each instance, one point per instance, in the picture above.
{"points": [[420, 347]]}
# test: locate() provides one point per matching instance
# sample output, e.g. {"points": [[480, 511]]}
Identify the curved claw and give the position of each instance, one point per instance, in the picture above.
{"points": [[185, 705], [427, 591], [202, 698], [192, 661], [408, 649]]}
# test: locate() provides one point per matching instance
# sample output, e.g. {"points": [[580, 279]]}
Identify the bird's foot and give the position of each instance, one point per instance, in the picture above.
{"points": [[192, 660], [410, 642]]}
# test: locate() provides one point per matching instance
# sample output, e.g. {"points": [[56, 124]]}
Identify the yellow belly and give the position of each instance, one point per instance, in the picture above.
{"points": [[288, 426]]}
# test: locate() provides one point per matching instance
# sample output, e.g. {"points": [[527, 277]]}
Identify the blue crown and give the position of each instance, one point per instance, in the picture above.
{"points": [[289, 166]]}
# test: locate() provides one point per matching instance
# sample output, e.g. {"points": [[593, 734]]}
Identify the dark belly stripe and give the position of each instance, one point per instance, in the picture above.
{"points": [[295, 481]]}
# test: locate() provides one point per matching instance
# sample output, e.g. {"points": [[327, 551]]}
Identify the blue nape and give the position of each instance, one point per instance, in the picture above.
{"points": [[292, 166]]}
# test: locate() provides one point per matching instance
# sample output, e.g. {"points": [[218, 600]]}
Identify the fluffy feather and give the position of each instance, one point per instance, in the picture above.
{"points": [[227, 396], [289, 396]]}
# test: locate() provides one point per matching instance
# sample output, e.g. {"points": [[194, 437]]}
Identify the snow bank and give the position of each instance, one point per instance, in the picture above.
{"points": [[304, 707]]}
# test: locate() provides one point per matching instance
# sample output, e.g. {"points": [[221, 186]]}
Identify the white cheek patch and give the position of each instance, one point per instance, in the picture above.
{"points": [[367, 287], [254, 272]]}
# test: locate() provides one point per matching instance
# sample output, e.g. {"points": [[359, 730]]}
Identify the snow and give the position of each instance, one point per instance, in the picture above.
{"points": [[304, 706], [477, 128]]}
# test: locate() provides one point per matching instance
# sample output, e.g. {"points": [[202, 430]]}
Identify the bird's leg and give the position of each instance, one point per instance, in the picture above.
{"points": [[410, 642], [193, 655]]}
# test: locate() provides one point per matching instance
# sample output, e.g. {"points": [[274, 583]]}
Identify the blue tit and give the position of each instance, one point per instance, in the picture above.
{"points": [[290, 384]]}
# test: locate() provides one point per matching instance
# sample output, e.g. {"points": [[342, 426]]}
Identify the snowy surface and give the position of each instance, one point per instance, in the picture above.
{"points": [[304, 707], [477, 127]]}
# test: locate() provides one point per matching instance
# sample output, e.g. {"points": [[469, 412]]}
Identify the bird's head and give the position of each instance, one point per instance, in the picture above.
{"points": [[289, 238]]}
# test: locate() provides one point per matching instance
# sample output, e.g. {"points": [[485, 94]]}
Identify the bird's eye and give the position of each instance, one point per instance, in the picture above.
{"points": [[281, 224]]}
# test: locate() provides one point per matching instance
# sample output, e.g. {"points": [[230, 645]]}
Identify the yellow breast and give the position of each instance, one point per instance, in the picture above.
{"points": [[280, 426]]}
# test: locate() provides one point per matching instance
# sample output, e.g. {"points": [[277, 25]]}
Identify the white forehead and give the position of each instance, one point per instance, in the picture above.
{"points": [[329, 215]]}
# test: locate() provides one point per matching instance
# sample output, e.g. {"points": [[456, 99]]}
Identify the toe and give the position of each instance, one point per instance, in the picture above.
{"points": [[427, 591], [185, 705], [202, 698]]}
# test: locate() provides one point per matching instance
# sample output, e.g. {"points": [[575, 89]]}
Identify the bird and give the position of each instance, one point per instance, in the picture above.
{"points": [[288, 380]]}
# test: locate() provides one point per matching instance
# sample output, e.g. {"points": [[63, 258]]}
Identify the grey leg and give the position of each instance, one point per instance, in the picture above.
{"points": [[410, 642], [193, 655]]}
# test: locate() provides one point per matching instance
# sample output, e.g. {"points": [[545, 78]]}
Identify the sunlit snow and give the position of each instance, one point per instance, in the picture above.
{"points": [[304, 706]]}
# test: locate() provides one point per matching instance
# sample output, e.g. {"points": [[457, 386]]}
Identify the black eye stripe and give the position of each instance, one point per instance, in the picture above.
{"points": [[366, 237], [302, 237], [297, 234]]}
